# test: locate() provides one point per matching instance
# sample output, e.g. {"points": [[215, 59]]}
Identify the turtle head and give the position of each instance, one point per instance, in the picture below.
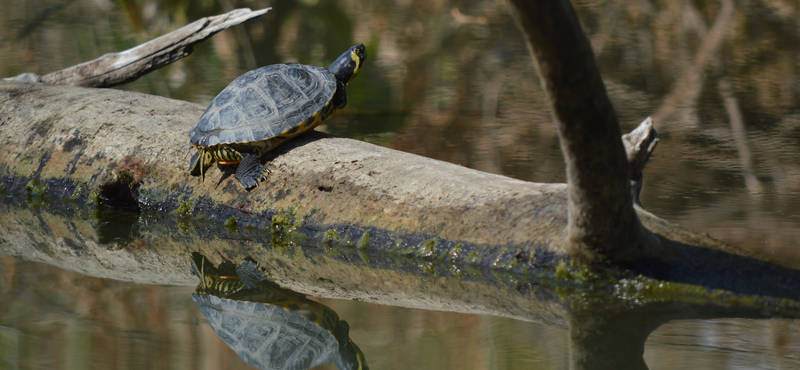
{"points": [[347, 65]]}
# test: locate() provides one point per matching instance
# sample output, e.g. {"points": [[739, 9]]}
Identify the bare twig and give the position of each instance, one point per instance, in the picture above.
{"points": [[114, 69]]}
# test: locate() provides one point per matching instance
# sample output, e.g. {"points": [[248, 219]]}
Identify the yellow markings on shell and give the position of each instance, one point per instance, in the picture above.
{"points": [[316, 312], [225, 154], [326, 112]]}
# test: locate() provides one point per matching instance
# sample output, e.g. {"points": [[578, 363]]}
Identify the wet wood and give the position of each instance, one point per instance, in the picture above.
{"points": [[114, 69]]}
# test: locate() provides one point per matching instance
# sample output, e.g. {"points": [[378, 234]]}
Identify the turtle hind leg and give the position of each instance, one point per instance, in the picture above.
{"points": [[250, 171], [250, 274]]}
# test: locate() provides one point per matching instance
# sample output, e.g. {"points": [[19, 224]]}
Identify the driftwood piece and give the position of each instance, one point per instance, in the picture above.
{"points": [[639, 145], [114, 69]]}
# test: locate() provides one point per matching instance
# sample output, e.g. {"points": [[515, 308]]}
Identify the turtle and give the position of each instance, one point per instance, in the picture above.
{"points": [[264, 108], [270, 327]]}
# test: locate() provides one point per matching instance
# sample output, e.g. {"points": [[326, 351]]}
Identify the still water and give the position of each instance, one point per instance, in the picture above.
{"points": [[453, 81]]}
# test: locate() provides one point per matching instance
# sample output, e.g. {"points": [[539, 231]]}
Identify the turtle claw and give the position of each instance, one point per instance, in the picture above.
{"points": [[248, 183]]}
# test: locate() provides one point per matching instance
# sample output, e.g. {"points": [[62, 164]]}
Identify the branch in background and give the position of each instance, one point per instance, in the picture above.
{"points": [[687, 88], [739, 136], [114, 69], [601, 216]]}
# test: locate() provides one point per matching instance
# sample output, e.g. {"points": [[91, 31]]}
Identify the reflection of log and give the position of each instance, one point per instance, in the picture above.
{"points": [[119, 68], [607, 331]]}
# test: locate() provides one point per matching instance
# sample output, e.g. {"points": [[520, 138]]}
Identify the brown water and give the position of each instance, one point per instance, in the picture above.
{"points": [[452, 81]]}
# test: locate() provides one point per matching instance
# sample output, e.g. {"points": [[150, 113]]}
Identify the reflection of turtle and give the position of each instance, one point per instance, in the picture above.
{"points": [[270, 327], [265, 107]]}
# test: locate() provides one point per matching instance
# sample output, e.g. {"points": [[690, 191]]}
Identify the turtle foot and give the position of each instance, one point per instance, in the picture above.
{"points": [[250, 172], [252, 180], [250, 274]]}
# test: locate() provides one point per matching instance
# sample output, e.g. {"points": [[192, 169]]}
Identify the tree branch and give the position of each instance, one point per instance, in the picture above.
{"points": [[114, 69]]}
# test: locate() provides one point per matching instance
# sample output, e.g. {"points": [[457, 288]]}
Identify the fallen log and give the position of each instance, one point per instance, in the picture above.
{"points": [[128, 149], [125, 149]]}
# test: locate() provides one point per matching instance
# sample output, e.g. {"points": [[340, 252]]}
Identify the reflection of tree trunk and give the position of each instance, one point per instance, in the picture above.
{"points": [[244, 39], [687, 88], [599, 342], [739, 136]]}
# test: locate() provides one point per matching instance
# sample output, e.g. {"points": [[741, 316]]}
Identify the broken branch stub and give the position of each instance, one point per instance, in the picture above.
{"points": [[639, 145], [114, 69]]}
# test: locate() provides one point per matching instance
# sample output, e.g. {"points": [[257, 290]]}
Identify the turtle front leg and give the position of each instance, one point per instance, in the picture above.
{"points": [[251, 171], [200, 162]]}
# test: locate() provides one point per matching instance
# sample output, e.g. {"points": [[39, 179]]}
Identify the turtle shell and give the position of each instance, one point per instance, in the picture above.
{"points": [[263, 103], [268, 336]]}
